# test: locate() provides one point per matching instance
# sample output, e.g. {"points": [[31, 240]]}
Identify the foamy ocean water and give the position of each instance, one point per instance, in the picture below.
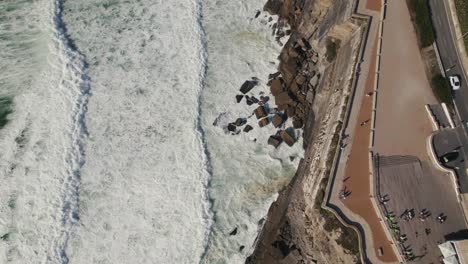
{"points": [[111, 155]]}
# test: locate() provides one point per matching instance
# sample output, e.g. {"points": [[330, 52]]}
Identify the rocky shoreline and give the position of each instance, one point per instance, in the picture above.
{"points": [[310, 89]]}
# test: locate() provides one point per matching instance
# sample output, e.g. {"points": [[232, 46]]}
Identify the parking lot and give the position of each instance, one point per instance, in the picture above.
{"points": [[406, 183]]}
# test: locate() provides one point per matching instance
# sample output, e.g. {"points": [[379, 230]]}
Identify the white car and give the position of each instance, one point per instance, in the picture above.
{"points": [[455, 82]]}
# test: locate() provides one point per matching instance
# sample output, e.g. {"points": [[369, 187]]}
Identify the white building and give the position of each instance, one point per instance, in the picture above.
{"points": [[455, 252]]}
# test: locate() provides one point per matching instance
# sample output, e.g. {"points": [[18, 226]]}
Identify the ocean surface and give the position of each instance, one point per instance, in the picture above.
{"points": [[117, 148]]}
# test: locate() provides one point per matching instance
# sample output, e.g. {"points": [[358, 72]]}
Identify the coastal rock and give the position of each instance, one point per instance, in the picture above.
{"points": [[257, 14], [286, 137], [297, 123], [282, 107], [254, 99], [240, 121], [231, 127], [274, 75], [264, 122], [239, 98], [260, 112], [247, 128], [283, 99], [301, 79], [276, 87], [294, 88], [248, 85], [277, 120], [291, 111], [233, 232], [275, 141], [264, 99], [249, 100]]}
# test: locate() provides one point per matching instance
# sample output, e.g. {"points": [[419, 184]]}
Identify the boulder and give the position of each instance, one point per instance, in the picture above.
{"points": [[264, 99], [240, 121], [276, 87], [274, 75], [247, 128], [283, 99], [286, 137], [294, 88], [291, 111], [300, 79], [254, 99], [233, 232], [314, 80], [248, 85], [231, 127], [297, 123], [263, 122], [260, 112], [239, 98], [282, 107], [274, 141], [277, 120], [302, 98], [249, 100]]}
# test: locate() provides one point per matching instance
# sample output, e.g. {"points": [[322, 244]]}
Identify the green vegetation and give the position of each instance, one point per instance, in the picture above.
{"points": [[441, 89], [462, 13], [420, 14], [6, 104], [332, 49]]}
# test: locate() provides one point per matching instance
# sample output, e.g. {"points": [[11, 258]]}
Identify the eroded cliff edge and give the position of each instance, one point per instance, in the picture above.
{"points": [[316, 71]]}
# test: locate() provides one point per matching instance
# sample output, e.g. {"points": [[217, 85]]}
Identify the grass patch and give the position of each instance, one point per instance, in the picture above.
{"points": [[462, 12], [421, 17], [441, 89], [332, 49], [6, 109]]}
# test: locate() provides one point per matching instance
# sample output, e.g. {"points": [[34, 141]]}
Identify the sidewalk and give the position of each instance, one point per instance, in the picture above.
{"points": [[353, 172]]}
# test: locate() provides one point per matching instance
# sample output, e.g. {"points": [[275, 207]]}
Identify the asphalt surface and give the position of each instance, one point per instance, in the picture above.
{"points": [[445, 38]]}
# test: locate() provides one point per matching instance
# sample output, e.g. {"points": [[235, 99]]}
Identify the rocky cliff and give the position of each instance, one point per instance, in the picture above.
{"points": [[312, 86]]}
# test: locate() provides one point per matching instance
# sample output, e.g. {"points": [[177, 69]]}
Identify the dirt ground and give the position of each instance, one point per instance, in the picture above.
{"points": [[402, 123]]}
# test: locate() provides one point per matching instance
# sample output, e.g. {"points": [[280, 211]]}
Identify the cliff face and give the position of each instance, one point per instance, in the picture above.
{"points": [[316, 69]]}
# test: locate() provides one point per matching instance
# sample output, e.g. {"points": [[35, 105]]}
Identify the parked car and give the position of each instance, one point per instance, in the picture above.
{"points": [[448, 157], [455, 82]]}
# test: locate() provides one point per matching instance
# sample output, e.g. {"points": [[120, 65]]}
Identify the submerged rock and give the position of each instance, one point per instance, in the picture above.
{"points": [[277, 120], [275, 141], [276, 87], [231, 127], [286, 137], [283, 99], [239, 98], [247, 128], [233, 232], [263, 122], [249, 100], [240, 121], [248, 85], [260, 112]]}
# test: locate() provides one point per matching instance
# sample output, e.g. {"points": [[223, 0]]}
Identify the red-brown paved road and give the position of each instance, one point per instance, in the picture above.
{"points": [[357, 169]]}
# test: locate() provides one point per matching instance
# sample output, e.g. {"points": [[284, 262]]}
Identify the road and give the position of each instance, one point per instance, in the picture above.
{"points": [[445, 38]]}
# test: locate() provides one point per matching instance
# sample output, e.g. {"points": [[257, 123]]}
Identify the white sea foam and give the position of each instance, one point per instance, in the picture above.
{"points": [[43, 144], [142, 185], [155, 181], [247, 172]]}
